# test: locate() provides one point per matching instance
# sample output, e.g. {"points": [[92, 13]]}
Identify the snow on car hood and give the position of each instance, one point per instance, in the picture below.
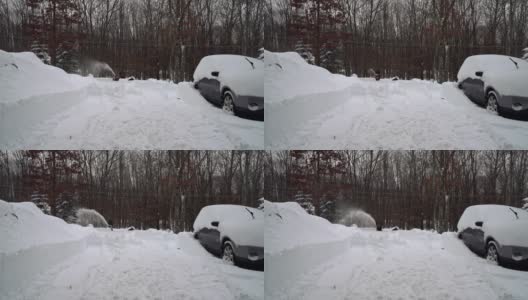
{"points": [[235, 72]]}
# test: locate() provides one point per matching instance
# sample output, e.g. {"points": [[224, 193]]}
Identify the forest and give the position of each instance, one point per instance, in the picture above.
{"points": [[145, 189], [427, 39], [409, 189], [163, 39]]}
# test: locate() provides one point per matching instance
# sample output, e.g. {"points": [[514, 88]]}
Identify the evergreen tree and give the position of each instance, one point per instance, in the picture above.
{"points": [[328, 210], [316, 23], [305, 52], [525, 53], [53, 27], [305, 201], [41, 201], [67, 205]]}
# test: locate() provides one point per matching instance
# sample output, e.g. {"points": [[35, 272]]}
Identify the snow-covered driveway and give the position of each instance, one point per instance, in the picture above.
{"points": [[126, 115], [390, 115], [401, 265], [309, 108], [140, 265], [42, 107]]}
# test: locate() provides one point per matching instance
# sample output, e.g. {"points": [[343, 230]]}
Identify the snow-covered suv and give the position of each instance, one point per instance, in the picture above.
{"points": [[498, 82], [234, 232], [234, 82], [498, 232]]}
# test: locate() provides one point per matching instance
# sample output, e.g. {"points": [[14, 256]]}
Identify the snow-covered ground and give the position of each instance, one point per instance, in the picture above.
{"points": [[42, 107], [367, 264], [42, 257], [309, 108]]}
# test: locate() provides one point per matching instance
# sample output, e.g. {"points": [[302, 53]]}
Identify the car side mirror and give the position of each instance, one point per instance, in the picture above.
{"points": [[479, 73], [478, 223], [214, 223], [215, 73]]}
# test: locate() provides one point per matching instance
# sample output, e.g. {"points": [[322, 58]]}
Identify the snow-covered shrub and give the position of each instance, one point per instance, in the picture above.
{"points": [[89, 216], [261, 203], [525, 53], [525, 201], [359, 218]]}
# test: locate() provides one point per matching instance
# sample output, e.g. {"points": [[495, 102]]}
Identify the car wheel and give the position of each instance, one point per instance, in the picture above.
{"points": [[492, 255], [228, 255], [492, 103], [228, 103]]}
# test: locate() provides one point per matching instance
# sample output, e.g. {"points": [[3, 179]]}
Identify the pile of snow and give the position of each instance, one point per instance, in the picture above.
{"points": [[289, 226], [507, 225], [23, 75], [242, 74], [505, 74], [86, 217], [288, 75], [23, 225], [359, 218], [242, 224]]}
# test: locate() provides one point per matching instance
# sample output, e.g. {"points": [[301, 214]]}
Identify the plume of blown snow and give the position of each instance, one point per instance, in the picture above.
{"points": [[359, 218], [98, 68], [86, 217]]}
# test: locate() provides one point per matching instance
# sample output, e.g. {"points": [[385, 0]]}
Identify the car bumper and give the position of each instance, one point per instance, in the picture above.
{"points": [[514, 256], [250, 256], [250, 104], [515, 104]]}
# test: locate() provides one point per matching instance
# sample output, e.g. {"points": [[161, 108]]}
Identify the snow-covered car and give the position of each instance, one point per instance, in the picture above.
{"points": [[498, 82], [234, 82], [234, 232], [498, 232]]}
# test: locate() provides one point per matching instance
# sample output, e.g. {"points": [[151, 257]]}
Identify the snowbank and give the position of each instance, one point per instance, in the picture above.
{"points": [[297, 242], [289, 226], [23, 225], [33, 242], [288, 75], [23, 75]]}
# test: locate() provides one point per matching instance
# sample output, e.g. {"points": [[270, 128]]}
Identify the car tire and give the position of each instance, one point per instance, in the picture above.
{"points": [[492, 103], [228, 102], [492, 253], [228, 253]]}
